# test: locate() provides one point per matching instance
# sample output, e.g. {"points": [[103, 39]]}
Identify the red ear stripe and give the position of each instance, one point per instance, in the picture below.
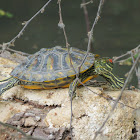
{"points": [[111, 60]]}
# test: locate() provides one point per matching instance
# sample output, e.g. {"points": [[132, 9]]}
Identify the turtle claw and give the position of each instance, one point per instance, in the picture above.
{"points": [[72, 95]]}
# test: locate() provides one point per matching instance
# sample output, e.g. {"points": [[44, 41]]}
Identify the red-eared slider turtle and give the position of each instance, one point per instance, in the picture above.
{"points": [[50, 68]]}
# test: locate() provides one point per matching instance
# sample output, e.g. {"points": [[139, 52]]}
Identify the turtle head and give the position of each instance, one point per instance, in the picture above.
{"points": [[103, 67]]}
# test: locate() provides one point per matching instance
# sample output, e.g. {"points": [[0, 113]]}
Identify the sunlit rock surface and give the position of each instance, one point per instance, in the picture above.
{"points": [[45, 112]]}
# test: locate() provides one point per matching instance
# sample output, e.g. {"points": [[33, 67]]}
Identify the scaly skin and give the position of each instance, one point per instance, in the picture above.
{"points": [[101, 66]]}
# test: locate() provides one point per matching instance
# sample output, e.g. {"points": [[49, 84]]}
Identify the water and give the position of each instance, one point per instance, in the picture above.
{"points": [[117, 30]]}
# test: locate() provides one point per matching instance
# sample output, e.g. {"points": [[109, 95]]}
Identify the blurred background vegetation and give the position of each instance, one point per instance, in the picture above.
{"points": [[116, 33], [6, 14]]}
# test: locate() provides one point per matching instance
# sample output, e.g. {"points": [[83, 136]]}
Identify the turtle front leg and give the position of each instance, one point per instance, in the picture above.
{"points": [[72, 88]]}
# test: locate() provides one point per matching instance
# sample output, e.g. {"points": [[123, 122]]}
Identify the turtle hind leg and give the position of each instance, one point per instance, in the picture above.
{"points": [[6, 79], [115, 81], [11, 82]]}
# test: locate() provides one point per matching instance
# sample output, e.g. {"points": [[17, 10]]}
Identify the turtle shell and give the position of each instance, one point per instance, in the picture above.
{"points": [[52, 64]]}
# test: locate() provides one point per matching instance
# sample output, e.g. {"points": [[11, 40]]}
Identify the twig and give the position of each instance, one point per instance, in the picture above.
{"points": [[87, 20], [91, 32], [86, 3], [62, 26], [115, 59], [71, 116], [19, 52], [108, 97], [86, 17], [138, 75], [132, 53], [119, 97], [28, 137], [133, 59], [11, 43]]}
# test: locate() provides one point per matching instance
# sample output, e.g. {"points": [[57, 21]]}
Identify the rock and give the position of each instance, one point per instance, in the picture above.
{"points": [[29, 114], [89, 112], [29, 122], [6, 66], [49, 133], [37, 118], [14, 57], [8, 109]]}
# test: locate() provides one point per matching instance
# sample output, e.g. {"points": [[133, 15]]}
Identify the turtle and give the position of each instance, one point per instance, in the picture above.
{"points": [[52, 68]]}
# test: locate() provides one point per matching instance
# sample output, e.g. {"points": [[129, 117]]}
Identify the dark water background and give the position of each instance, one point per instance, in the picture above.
{"points": [[117, 31]]}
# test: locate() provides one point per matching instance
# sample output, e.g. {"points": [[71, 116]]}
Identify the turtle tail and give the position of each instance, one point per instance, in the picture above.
{"points": [[11, 82]]}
